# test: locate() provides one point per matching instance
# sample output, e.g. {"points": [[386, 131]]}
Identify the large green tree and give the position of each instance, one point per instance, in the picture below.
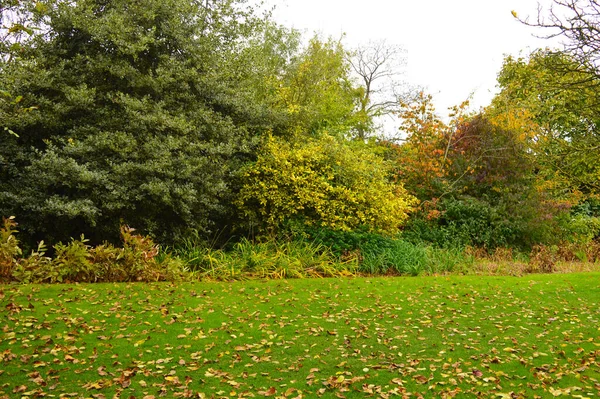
{"points": [[558, 111], [316, 92], [558, 89], [145, 113]]}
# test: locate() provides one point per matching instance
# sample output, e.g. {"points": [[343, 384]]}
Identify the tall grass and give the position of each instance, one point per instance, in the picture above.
{"points": [[332, 256], [271, 260], [405, 258]]}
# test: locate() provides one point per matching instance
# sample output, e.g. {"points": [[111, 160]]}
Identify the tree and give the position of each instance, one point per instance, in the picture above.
{"points": [[559, 115], [423, 158], [141, 118], [578, 21], [316, 91], [379, 67], [475, 179], [17, 25], [566, 82]]}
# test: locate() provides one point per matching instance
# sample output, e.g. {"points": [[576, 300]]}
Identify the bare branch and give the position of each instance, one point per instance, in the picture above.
{"points": [[379, 67], [576, 21]]}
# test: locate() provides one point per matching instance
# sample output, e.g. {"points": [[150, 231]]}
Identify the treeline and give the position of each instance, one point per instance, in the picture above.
{"points": [[207, 122]]}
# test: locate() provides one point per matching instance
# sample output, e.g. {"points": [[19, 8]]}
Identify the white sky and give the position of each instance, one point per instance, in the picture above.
{"points": [[454, 47]]}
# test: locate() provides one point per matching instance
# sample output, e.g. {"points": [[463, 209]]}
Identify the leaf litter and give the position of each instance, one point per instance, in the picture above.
{"points": [[492, 337]]}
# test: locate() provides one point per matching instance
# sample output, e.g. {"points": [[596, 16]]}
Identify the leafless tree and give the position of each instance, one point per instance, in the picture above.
{"points": [[379, 67], [578, 22]]}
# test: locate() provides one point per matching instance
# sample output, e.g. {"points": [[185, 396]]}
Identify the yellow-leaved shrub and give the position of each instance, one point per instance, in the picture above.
{"points": [[322, 181]]}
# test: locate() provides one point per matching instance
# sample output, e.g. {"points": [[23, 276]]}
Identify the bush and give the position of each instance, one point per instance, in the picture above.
{"points": [[341, 243], [543, 259], [467, 221], [379, 254], [580, 227], [78, 262], [145, 125], [322, 182], [9, 248]]}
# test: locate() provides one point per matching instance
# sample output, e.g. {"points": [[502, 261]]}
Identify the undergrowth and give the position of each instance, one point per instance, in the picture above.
{"points": [[271, 260], [76, 261], [311, 254]]}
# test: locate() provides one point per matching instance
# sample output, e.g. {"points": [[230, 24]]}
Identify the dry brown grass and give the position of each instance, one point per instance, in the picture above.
{"points": [[490, 267], [564, 258]]}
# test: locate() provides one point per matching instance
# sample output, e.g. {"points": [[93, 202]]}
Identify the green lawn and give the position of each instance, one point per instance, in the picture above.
{"points": [[494, 337]]}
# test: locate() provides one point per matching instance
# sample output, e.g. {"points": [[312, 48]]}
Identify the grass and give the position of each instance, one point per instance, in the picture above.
{"points": [[451, 336], [267, 260], [300, 259]]}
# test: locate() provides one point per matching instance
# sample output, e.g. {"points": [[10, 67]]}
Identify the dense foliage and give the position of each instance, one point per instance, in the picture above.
{"points": [[139, 119], [553, 97], [136, 260], [324, 182], [206, 122]]}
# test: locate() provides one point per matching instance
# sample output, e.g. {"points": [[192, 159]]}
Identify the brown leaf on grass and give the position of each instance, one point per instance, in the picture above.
{"points": [[19, 389], [13, 308], [71, 359], [234, 383], [94, 385], [172, 379], [421, 379], [39, 381], [269, 392]]}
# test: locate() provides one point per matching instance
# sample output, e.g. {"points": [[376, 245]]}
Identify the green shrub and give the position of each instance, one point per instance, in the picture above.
{"points": [[36, 268], [469, 221], [396, 257], [145, 124], [72, 263], [379, 254], [341, 243], [580, 227]]}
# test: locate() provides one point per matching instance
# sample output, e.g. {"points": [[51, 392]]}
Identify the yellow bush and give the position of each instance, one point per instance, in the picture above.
{"points": [[325, 182]]}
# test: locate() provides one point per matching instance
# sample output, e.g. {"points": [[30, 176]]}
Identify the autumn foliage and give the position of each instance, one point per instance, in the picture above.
{"points": [[324, 182]]}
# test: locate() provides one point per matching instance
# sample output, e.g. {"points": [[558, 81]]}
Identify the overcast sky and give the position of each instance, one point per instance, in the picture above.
{"points": [[453, 47]]}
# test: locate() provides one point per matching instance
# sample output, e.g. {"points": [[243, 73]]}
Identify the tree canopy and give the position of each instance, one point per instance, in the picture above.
{"points": [[206, 118], [139, 117]]}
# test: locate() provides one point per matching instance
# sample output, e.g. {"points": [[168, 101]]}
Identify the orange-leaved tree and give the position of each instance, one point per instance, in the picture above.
{"points": [[423, 159]]}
